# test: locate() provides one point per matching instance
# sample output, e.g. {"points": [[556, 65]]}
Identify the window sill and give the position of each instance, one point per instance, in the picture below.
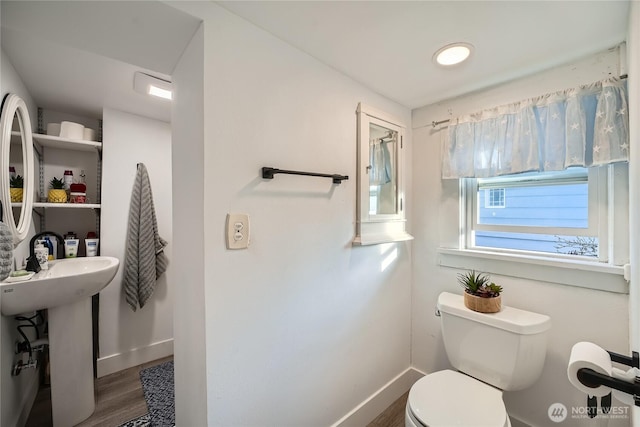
{"points": [[584, 274]]}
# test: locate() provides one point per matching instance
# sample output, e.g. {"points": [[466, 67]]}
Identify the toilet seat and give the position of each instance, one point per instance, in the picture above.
{"points": [[447, 398]]}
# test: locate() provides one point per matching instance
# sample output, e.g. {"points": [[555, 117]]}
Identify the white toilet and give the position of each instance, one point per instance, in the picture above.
{"points": [[492, 352]]}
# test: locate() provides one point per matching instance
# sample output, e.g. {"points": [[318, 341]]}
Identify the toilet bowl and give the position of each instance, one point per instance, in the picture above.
{"points": [[449, 398], [491, 352]]}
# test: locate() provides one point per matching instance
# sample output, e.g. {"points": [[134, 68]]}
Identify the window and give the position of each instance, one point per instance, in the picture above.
{"points": [[566, 213], [494, 198], [572, 226]]}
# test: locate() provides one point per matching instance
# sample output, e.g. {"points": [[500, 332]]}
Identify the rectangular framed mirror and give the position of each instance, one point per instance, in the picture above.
{"points": [[380, 190]]}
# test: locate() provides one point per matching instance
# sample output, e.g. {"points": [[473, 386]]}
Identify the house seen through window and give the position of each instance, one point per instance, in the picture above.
{"points": [[542, 212]]}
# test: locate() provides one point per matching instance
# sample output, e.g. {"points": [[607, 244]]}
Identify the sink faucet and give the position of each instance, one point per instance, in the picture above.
{"points": [[32, 262]]}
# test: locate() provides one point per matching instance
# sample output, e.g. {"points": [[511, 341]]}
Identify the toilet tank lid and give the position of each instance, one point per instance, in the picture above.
{"points": [[509, 318]]}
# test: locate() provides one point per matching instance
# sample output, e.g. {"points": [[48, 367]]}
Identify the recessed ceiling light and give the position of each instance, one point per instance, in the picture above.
{"points": [[150, 85], [452, 54]]}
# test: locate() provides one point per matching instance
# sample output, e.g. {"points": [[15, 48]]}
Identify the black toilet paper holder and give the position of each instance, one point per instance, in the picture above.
{"points": [[633, 361], [593, 379]]}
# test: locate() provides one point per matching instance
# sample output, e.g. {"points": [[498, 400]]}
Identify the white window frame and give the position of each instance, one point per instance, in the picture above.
{"points": [[608, 216]]}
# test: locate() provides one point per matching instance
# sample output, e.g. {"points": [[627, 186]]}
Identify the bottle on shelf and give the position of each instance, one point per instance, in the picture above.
{"points": [[91, 243], [78, 193], [70, 245], [68, 179], [49, 244]]}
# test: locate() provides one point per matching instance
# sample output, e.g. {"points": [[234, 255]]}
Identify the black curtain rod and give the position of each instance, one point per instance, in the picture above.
{"points": [[268, 173]]}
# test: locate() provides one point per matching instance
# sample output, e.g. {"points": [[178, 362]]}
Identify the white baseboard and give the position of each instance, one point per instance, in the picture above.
{"points": [[137, 356], [368, 410]]}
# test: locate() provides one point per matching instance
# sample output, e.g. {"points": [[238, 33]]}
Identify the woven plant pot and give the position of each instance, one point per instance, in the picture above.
{"points": [[16, 194], [483, 305], [57, 196]]}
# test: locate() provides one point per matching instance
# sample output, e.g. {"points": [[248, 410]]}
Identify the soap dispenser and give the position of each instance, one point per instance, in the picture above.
{"points": [[42, 255]]}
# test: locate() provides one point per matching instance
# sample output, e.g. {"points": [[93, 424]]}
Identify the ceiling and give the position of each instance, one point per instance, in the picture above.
{"points": [[388, 45], [80, 56]]}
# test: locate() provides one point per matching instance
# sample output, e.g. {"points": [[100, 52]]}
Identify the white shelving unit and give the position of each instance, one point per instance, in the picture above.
{"points": [[42, 141], [67, 144], [61, 143], [61, 205]]}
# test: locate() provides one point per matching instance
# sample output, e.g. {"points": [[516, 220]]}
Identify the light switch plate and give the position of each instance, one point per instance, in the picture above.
{"points": [[237, 231]]}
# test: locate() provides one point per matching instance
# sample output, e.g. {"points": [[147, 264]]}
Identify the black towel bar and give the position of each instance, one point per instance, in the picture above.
{"points": [[268, 173]]}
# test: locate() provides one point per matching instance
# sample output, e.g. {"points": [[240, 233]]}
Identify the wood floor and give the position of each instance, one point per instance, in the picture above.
{"points": [[393, 416], [119, 398]]}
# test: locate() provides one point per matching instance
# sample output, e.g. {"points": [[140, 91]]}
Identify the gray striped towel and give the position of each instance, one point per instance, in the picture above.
{"points": [[6, 251], [145, 260]]}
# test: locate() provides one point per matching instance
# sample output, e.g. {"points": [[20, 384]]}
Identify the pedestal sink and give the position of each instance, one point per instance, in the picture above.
{"points": [[65, 289]]}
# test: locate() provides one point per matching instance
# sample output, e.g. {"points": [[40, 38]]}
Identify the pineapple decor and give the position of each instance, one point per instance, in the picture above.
{"points": [[480, 294], [15, 188], [57, 193]]}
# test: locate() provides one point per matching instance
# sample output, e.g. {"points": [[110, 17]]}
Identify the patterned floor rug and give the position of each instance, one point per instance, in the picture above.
{"points": [[157, 384], [143, 421], [158, 388]]}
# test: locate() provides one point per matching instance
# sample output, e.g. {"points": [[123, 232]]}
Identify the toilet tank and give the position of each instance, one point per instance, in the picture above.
{"points": [[505, 349]]}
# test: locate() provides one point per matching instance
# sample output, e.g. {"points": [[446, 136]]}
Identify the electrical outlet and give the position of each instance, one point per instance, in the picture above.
{"points": [[237, 231]]}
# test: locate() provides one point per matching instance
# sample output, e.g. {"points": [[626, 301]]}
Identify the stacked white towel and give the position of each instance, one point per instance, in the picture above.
{"points": [[6, 250], [145, 260]]}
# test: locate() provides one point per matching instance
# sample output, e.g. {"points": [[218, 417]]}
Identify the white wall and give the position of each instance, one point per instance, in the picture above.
{"points": [[189, 254], [129, 338], [11, 83], [300, 328], [17, 393], [633, 61], [577, 314]]}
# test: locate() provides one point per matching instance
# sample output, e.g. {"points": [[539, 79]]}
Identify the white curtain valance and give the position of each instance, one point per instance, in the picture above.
{"points": [[584, 126]]}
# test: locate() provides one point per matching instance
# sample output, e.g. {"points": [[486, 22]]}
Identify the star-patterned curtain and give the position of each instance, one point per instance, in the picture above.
{"points": [[584, 126]]}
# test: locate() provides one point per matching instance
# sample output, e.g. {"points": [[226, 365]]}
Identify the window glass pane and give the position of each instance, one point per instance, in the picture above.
{"points": [[568, 245], [534, 203], [539, 206], [540, 203]]}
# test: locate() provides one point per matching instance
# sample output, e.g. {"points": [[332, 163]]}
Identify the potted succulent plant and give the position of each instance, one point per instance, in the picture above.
{"points": [[480, 294], [15, 188], [57, 193]]}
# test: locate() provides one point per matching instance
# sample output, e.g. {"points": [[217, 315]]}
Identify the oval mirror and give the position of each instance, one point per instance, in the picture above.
{"points": [[15, 110]]}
